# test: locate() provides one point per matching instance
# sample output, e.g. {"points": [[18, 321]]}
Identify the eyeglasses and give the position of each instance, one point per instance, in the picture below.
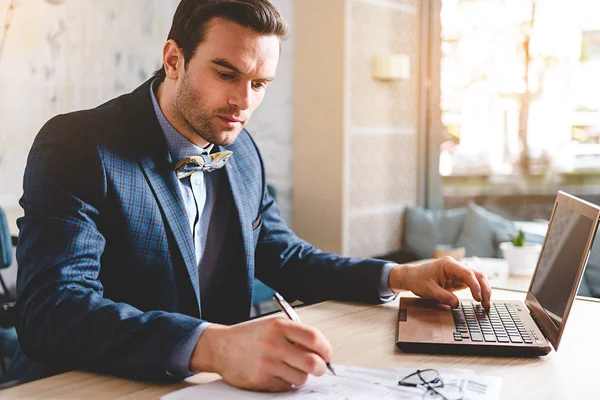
{"points": [[433, 385]]}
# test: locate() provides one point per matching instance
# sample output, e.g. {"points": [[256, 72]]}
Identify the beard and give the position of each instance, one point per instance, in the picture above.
{"points": [[195, 115]]}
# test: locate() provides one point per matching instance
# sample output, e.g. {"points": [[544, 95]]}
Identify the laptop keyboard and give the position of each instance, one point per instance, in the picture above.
{"points": [[501, 324]]}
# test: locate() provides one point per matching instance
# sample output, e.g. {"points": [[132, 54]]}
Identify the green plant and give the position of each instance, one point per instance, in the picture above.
{"points": [[518, 240]]}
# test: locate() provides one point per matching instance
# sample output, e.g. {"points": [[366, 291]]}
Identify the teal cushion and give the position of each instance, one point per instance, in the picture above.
{"points": [[591, 274], [261, 292], [482, 230], [424, 229], [5, 242], [8, 341], [534, 238], [584, 288]]}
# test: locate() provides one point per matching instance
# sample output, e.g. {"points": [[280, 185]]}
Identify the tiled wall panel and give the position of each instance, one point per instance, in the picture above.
{"points": [[383, 126], [382, 30], [383, 171], [375, 235]]}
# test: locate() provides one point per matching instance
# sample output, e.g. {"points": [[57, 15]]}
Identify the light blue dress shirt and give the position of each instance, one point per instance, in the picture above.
{"points": [[199, 199]]}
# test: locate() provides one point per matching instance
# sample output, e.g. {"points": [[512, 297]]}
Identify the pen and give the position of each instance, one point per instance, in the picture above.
{"points": [[285, 307]]}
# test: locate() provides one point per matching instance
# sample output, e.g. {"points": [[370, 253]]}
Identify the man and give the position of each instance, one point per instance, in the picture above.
{"points": [[126, 269]]}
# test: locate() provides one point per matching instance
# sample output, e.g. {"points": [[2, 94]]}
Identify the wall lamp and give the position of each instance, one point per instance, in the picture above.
{"points": [[391, 67]]}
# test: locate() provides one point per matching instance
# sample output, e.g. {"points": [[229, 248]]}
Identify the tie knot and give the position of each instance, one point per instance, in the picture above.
{"points": [[203, 162]]}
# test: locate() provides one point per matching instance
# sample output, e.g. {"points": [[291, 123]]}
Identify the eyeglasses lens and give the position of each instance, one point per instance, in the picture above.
{"points": [[423, 377]]}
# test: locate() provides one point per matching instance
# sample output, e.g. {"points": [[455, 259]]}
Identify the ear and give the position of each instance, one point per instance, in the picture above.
{"points": [[173, 60]]}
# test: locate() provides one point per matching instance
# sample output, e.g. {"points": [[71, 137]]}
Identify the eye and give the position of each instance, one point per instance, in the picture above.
{"points": [[224, 76], [259, 85]]}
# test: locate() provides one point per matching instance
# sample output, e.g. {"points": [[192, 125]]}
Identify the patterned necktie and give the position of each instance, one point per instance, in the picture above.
{"points": [[203, 162]]}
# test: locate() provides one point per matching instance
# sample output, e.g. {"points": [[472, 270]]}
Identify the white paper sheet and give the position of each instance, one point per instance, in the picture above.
{"points": [[353, 383]]}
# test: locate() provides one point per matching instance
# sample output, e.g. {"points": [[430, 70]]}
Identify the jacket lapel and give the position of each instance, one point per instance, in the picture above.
{"points": [[240, 194], [154, 159], [164, 185]]}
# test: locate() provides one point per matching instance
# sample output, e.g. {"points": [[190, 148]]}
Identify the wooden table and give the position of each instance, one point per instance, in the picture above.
{"points": [[365, 335]]}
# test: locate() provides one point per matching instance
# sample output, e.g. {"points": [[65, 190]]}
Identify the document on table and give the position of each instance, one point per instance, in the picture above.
{"points": [[355, 383]]}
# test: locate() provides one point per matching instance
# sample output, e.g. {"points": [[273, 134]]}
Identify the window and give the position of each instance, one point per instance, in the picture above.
{"points": [[520, 103]]}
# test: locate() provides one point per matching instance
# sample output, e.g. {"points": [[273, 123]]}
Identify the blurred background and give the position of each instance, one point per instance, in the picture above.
{"points": [[394, 129], [520, 104], [378, 105]]}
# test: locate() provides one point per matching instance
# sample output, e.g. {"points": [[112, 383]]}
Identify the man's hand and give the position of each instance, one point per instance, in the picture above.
{"points": [[270, 355], [438, 279]]}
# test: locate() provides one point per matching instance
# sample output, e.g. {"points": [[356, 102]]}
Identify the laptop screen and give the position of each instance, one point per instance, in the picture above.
{"points": [[565, 249]]}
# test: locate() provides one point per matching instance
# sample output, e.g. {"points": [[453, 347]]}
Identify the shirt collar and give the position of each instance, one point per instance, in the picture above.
{"points": [[179, 147]]}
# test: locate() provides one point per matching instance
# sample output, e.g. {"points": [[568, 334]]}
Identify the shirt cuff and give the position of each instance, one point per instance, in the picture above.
{"points": [[385, 292], [179, 361]]}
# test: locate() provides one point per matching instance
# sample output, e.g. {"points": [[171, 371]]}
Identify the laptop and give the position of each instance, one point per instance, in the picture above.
{"points": [[511, 328]]}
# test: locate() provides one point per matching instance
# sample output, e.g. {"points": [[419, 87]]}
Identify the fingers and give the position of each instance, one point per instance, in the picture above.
{"points": [[475, 280], [486, 289], [453, 269], [308, 338], [444, 296], [303, 360], [439, 278], [290, 374], [275, 384], [273, 354]]}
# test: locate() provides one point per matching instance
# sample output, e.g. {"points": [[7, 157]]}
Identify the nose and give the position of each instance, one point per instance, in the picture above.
{"points": [[241, 96]]}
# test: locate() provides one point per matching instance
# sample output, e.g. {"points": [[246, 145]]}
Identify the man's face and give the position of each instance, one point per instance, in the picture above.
{"points": [[225, 81]]}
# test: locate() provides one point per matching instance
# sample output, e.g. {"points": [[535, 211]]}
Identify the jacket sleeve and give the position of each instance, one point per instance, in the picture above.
{"points": [[64, 320], [300, 271]]}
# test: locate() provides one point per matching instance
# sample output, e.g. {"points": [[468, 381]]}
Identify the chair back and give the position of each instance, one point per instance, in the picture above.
{"points": [[8, 335], [5, 242]]}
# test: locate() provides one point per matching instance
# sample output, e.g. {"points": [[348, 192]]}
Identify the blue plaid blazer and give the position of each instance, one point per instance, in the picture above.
{"points": [[107, 275]]}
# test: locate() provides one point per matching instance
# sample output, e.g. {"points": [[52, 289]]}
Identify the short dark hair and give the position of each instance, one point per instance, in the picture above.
{"points": [[192, 18]]}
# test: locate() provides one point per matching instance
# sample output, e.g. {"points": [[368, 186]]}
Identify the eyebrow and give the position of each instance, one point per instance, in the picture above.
{"points": [[226, 64]]}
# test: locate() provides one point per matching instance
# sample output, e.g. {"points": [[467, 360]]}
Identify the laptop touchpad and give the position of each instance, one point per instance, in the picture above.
{"points": [[425, 323]]}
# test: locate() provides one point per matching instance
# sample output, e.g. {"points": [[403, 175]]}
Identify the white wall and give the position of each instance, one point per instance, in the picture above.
{"points": [[272, 123], [61, 58]]}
